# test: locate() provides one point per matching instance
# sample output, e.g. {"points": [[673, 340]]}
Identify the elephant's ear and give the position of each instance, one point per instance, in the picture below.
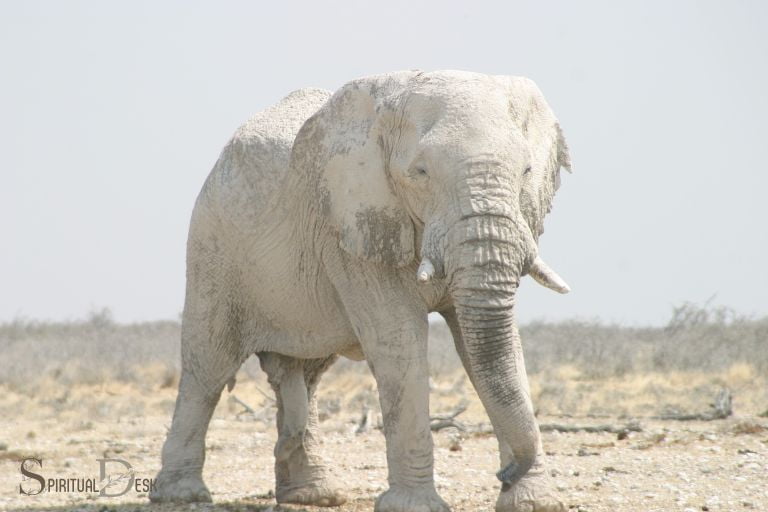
{"points": [[344, 150], [563, 153], [533, 115]]}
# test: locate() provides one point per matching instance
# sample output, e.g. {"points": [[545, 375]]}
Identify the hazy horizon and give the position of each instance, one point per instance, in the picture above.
{"points": [[112, 115]]}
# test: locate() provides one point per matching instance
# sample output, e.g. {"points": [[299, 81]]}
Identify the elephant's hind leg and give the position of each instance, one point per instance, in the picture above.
{"points": [[300, 472]]}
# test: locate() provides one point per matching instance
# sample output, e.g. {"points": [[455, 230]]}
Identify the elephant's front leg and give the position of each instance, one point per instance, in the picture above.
{"points": [[402, 379], [393, 335]]}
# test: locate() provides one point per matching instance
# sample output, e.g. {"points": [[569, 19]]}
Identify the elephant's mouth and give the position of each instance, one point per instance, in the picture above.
{"points": [[481, 230], [538, 270]]}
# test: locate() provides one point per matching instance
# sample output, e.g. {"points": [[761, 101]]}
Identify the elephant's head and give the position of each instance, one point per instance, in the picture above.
{"points": [[452, 172]]}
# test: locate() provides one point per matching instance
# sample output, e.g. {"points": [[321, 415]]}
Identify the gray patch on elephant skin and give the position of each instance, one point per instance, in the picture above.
{"points": [[324, 198], [382, 234]]}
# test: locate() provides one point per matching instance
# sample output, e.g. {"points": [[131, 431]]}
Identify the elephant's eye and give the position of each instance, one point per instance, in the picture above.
{"points": [[527, 170], [419, 172]]}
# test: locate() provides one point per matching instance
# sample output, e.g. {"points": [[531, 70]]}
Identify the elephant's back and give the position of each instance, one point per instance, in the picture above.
{"points": [[281, 122], [253, 164]]}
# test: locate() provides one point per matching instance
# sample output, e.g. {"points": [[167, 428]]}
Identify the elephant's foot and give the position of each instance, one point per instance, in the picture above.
{"points": [[535, 492], [423, 499], [304, 483], [318, 494], [185, 489]]}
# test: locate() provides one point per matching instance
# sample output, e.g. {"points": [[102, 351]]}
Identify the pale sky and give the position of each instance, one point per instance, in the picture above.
{"points": [[113, 113]]}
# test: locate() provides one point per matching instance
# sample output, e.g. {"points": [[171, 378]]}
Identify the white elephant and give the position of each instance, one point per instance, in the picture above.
{"points": [[333, 224]]}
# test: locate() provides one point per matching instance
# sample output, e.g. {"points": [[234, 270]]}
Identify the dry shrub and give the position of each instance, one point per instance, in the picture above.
{"points": [[575, 366], [740, 374], [90, 351], [748, 427]]}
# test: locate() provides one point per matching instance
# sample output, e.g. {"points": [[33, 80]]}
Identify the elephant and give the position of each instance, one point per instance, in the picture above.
{"points": [[332, 225]]}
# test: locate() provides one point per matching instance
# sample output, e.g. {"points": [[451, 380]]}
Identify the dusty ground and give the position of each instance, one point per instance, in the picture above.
{"points": [[688, 466]]}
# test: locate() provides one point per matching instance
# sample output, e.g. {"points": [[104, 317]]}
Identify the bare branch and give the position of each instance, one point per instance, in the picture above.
{"points": [[721, 409], [248, 408], [441, 421], [555, 427]]}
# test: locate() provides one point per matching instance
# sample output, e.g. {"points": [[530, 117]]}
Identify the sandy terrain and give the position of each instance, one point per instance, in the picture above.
{"points": [[669, 465]]}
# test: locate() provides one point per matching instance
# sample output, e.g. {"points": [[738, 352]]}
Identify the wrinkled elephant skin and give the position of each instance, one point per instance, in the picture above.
{"points": [[332, 224]]}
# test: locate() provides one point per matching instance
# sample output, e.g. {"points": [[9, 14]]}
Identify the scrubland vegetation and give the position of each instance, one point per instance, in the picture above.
{"points": [[76, 391], [575, 366]]}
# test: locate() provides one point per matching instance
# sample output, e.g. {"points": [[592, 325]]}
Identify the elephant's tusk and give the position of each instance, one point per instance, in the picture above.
{"points": [[426, 271], [545, 276]]}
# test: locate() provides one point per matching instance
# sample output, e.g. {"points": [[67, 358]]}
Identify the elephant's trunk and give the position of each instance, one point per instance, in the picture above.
{"points": [[485, 263]]}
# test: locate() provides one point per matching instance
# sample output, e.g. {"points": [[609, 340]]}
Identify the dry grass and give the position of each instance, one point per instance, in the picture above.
{"points": [[74, 392], [576, 367]]}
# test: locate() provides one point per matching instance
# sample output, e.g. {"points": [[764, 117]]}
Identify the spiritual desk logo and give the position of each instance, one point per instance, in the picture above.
{"points": [[108, 485]]}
